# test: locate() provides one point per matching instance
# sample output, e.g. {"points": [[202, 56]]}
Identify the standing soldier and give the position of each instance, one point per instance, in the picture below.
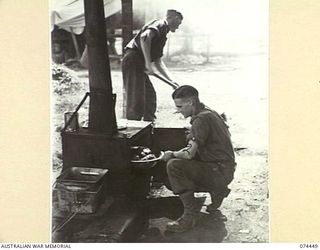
{"points": [[142, 57]]}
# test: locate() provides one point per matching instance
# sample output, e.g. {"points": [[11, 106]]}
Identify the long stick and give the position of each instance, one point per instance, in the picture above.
{"points": [[172, 84]]}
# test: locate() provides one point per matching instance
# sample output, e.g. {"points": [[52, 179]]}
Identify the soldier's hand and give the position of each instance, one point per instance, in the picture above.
{"points": [[176, 85], [149, 72], [149, 69], [167, 155]]}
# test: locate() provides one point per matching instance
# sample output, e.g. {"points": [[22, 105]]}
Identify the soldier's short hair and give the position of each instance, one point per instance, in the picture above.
{"points": [[185, 91], [174, 13]]}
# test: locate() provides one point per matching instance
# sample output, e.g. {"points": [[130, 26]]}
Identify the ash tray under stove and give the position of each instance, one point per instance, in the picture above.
{"points": [[82, 175]]}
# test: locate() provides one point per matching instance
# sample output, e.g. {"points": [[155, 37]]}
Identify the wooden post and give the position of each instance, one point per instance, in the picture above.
{"points": [[101, 108], [75, 44], [208, 48], [127, 35], [127, 22]]}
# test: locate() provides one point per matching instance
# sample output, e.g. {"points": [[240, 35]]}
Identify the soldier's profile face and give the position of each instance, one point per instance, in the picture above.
{"points": [[175, 23], [183, 106]]}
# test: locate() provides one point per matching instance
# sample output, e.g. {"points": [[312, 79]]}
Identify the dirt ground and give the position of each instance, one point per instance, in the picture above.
{"points": [[234, 85]]}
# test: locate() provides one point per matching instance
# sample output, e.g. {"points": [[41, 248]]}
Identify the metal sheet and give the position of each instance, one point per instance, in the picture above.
{"points": [[82, 175]]}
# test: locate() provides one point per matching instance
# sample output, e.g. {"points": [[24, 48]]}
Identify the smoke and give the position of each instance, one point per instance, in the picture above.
{"points": [[234, 24]]}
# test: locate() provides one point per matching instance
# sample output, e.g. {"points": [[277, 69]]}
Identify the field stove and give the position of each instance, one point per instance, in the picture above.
{"points": [[83, 148]]}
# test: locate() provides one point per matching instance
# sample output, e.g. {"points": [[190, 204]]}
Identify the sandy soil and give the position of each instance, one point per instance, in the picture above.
{"points": [[236, 86]]}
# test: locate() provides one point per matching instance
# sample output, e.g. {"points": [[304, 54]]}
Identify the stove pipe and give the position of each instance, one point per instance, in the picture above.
{"points": [[102, 117]]}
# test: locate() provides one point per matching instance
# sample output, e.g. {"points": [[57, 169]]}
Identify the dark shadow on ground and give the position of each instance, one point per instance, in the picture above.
{"points": [[117, 220], [145, 221], [210, 228]]}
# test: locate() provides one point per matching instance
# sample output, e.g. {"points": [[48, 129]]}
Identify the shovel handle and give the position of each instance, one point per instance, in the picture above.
{"points": [[172, 84]]}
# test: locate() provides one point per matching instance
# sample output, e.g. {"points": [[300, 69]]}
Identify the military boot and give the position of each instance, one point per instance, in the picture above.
{"points": [[216, 200], [190, 215]]}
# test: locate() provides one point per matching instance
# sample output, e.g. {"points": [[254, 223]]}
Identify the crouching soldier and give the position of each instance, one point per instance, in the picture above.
{"points": [[206, 164]]}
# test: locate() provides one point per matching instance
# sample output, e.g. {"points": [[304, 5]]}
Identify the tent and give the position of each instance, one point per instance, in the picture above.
{"points": [[69, 14]]}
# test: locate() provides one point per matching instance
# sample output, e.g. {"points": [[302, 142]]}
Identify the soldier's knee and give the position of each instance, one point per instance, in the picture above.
{"points": [[173, 165]]}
